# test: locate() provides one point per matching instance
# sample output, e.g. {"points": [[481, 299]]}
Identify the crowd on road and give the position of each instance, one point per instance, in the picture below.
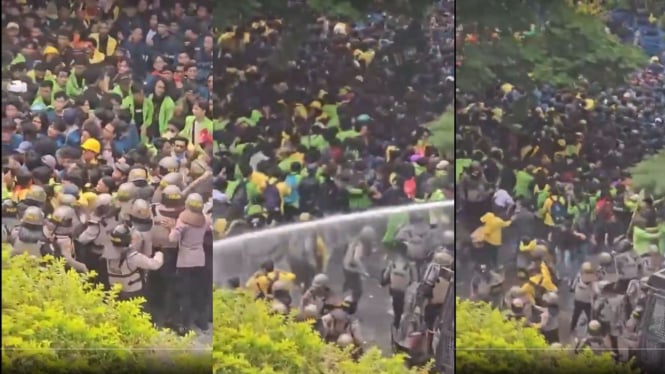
{"points": [[106, 146], [337, 127], [554, 194]]}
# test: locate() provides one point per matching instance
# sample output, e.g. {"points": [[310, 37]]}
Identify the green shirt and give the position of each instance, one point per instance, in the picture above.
{"points": [[642, 239]]}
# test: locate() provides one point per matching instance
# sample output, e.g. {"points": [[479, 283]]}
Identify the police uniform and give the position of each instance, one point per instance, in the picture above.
{"points": [[162, 283], [95, 241], [189, 232], [58, 232], [128, 269], [29, 236], [398, 275], [353, 263]]}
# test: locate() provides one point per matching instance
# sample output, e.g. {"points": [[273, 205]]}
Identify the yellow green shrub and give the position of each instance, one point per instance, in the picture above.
{"points": [[249, 340], [55, 321], [488, 343]]}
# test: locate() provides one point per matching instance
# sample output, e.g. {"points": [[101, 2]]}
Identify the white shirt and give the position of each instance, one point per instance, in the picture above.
{"points": [[502, 199]]}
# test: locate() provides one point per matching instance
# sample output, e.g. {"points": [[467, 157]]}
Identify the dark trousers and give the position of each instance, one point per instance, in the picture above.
{"points": [[578, 308], [191, 296], [353, 282], [490, 256], [551, 336], [122, 296], [98, 264], [398, 306], [432, 313], [207, 248], [161, 291], [290, 212]]}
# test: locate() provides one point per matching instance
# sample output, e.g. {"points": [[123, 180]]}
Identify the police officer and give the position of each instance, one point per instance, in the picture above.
{"points": [[517, 292], [516, 311], [58, 232], [163, 282], [171, 179], [549, 318], [28, 237], [435, 284], [594, 339], [127, 270], [631, 331], [94, 243], [306, 254], [9, 218], [627, 263], [486, 285], [168, 165], [189, 232], [139, 178], [338, 322], [36, 196], [417, 237], [636, 293], [354, 267], [320, 293], [398, 275], [124, 197], [606, 309], [200, 179], [606, 269], [583, 291], [140, 217]]}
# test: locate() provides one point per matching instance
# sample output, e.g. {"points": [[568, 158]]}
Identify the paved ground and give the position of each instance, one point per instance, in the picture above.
{"points": [[506, 258]]}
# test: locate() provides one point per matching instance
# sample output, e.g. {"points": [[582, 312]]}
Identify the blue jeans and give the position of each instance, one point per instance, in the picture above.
{"points": [[563, 261]]}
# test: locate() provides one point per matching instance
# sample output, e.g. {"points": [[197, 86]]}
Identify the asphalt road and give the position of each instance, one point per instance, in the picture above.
{"points": [[506, 258]]}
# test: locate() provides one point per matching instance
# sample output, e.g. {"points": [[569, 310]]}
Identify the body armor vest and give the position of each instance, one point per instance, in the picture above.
{"points": [[160, 234], [122, 271], [29, 241]]}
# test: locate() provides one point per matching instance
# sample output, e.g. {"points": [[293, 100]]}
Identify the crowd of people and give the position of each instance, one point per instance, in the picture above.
{"points": [[106, 146], [551, 208], [337, 127]]}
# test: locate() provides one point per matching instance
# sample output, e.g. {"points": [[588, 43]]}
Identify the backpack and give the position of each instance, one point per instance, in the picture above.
{"points": [[272, 199], [604, 210], [558, 210], [399, 275]]}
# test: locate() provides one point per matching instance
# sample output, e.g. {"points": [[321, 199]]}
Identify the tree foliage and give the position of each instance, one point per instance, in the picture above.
{"points": [[249, 340], [648, 175], [227, 12], [443, 132], [54, 321], [562, 44], [488, 343]]}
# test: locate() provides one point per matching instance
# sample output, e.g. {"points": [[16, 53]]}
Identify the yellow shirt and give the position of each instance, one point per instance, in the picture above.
{"points": [[538, 279], [547, 207], [259, 179], [260, 282], [492, 228]]}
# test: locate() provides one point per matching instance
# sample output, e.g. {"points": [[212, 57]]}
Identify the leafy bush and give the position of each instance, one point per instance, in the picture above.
{"points": [[55, 321], [487, 343], [247, 339], [648, 175]]}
